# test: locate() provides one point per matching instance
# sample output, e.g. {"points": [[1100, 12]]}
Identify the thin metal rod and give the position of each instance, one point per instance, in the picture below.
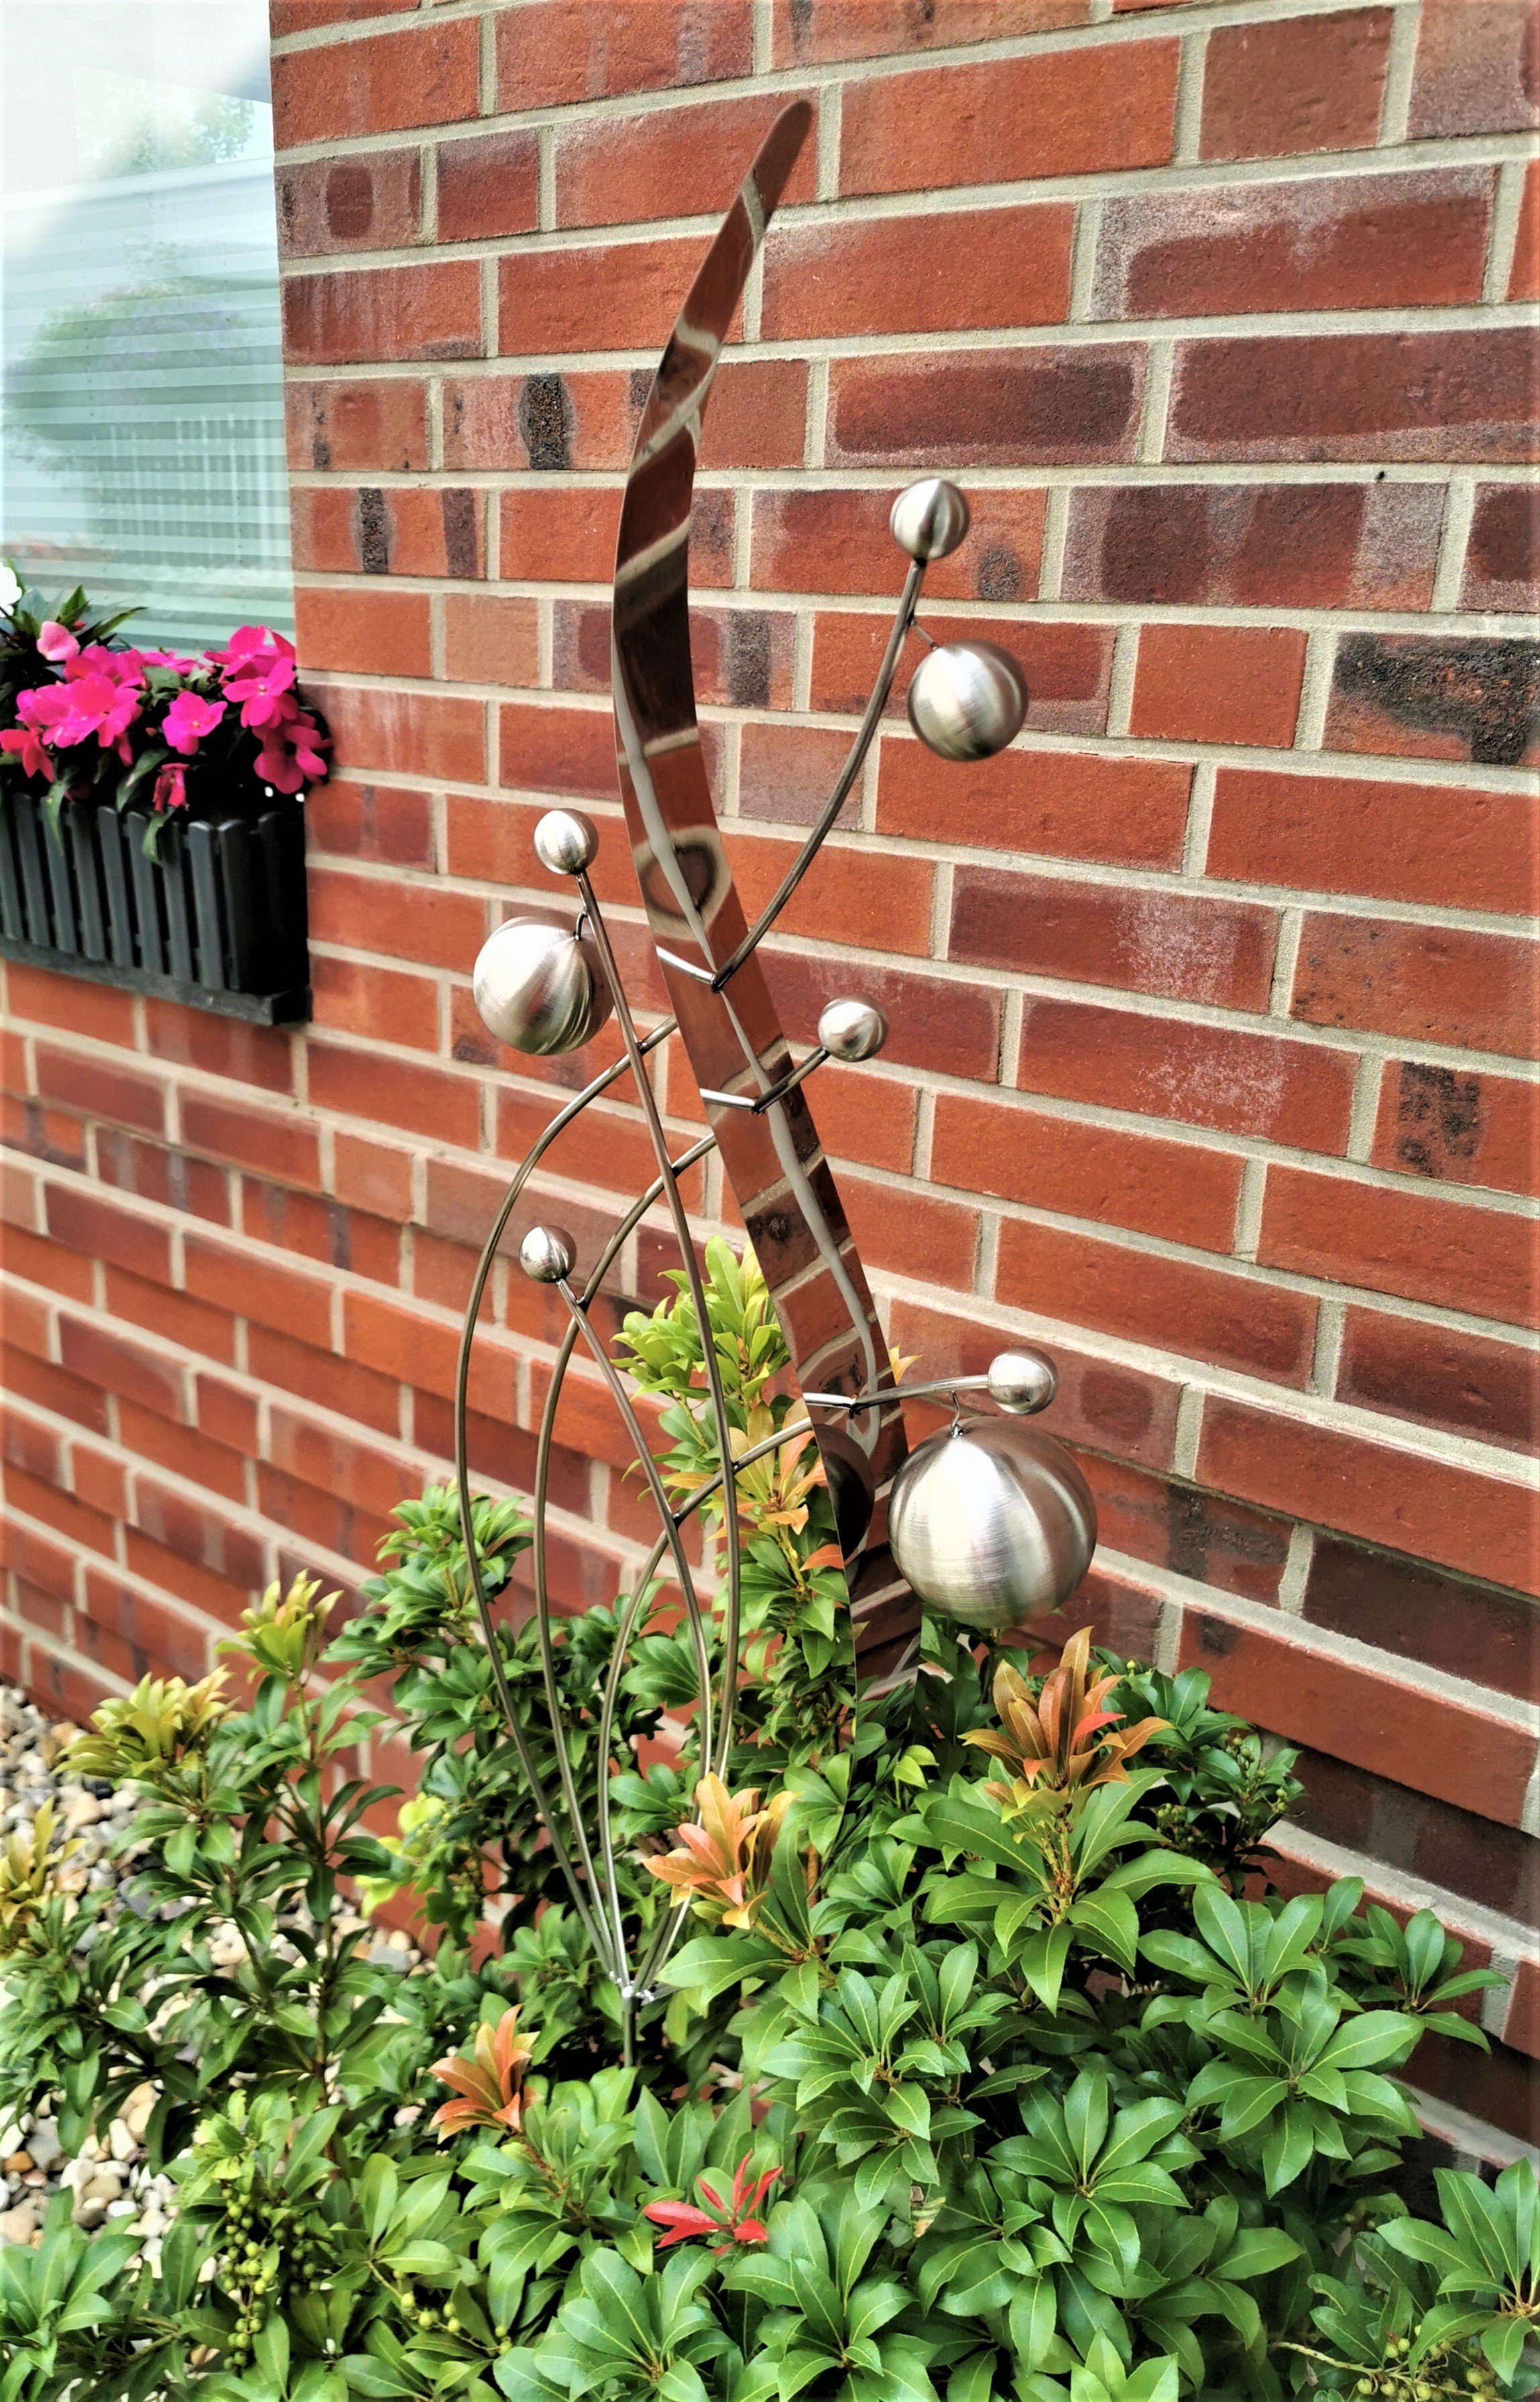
{"points": [[606, 1727], [762, 1101], [697, 1296], [908, 601], [462, 1465], [896, 1393]]}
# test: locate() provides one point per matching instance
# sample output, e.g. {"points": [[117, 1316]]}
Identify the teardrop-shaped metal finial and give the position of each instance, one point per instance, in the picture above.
{"points": [[1022, 1382], [968, 700], [566, 842], [851, 1029], [540, 987], [929, 519], [546, 1254]]}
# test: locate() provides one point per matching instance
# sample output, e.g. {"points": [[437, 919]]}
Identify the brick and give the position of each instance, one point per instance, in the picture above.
{"points": [[670, 162], [1066, 113], [1522, 2026], [879, 902], [834, 541], [817, 31], [31, 1555], [379, 85], [1067, 666], [205, 1538], [36, 997], [1197, 1535], [385, 823], [227, 1413], [405, 733], [389, 530], [400, 1342], [1198, 1312], [32, 1377], [371, 633], [1464, 1129], [30, 1447], [919, 274], [1456, 397], [1241, 1083], [1393, 1728], [375, 1176], [906, 1231], [1428, 984], [98, 1481], [183, 1450], [302, 16], [355, 997], [268, 1291], [101, 1088], [742, 657], [1423, 696], [83, 1527], [607, 1146], [173, 1316], [934, 1022], [44, 1263], [56, 1136], [1133, 812], [1452, 846], [372, 200], [334, 1463], [213, 1596], [1212, 683], [613, 297], [157, 1173], [1339, 242], [1524, 282], [562, 534], [1137, 939], [222, 1046], [566, 51], [489, 639], [1428, 1249], [1503, 562], [1475, 71], [125, 1631], [786, 772], [284, 1146], [1255, 545], [487, 186], [1178, 1191], [323, 1230], [122, 1367], [82, 1221], [986, 408], [351, 1390], [548, 420], [342, 427], [1400, 1607], [1441, 1376], [318, 1521], [1449, 1516], [557, 750], [1298, 84], [396, 1092], [384, 313]]}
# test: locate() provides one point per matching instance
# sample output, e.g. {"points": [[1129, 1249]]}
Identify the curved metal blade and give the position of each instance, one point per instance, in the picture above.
{"points": [[772, 1157]]}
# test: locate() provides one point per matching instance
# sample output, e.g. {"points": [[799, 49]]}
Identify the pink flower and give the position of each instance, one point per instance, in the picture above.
{"points": [[291, 751], [123, 668], [189, 719], [34, 759], [171, 789], [85, 703], [258, 671], [56, 641]]}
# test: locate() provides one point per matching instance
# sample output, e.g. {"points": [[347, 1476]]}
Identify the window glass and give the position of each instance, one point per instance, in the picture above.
{"points": [[142, 452]]}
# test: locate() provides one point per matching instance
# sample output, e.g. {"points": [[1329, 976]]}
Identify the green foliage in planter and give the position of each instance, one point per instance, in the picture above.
{"points": [[982, 2071]]}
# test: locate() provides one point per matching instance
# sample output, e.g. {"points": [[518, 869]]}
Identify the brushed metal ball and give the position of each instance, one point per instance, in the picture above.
{"points": [[968, 700], [566, 841], [1022, 1382], [540, 987], [929, 519], [547, 1253], [851, 1029], [992, 1524]]}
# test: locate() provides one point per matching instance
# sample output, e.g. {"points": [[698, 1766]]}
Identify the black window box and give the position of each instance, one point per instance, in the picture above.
{"points": [[217, 919]]}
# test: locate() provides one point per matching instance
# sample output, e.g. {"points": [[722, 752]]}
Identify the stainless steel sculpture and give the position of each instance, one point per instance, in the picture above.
{"points": [[547, 988]]}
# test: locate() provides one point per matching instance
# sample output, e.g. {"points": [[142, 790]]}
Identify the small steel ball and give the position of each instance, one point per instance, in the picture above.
{"points": [[566, 841], [547, 1253], [1022, 1382], [538, 987], [851, 1029], [929, 519], [992, 1524], [968, 700]]}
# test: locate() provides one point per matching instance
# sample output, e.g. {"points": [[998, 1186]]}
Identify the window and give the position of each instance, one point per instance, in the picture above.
{"points": [[143, 442]]}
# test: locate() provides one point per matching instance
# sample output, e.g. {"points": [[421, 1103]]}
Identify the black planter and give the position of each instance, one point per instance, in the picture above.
{"points": [[216, 920]]}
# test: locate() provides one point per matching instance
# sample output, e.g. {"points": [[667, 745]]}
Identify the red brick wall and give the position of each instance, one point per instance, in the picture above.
{"points": [[1211, 1000]]}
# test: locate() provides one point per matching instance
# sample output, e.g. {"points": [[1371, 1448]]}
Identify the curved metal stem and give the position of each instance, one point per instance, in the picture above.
{"points": [[907, 604]]}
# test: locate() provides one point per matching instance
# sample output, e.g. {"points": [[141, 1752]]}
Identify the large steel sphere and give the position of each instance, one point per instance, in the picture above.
{"points": [[851, 1029], [968, 700], [566, 842], [540, 987], [929, 519], [992, 1524]]}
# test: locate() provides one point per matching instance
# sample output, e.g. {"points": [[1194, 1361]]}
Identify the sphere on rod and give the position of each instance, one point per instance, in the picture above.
{"points": [[851, 1029], [929, 519], [546, 1254], [540, 987], [968, 700], [1022, 1382], [566, 842], [992, 1524]]}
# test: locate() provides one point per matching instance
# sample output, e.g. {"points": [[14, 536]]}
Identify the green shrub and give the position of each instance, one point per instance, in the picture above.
{"points": [[981, 2074]]}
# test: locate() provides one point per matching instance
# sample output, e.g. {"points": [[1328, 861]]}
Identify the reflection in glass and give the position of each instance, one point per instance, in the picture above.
{"points": [[142, 449]]}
